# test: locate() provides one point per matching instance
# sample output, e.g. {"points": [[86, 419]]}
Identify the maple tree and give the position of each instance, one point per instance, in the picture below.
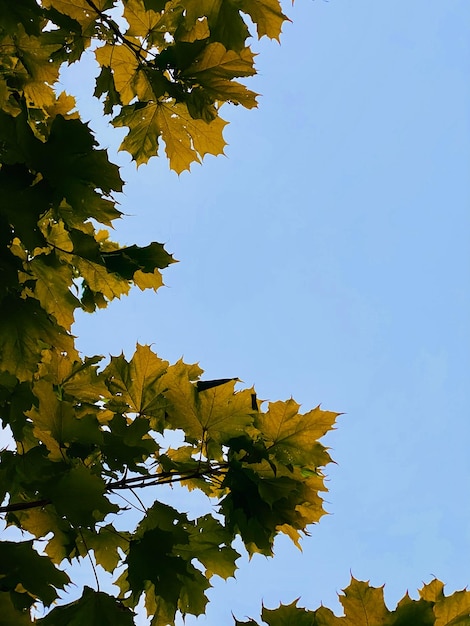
{"points": [[84, 431]]}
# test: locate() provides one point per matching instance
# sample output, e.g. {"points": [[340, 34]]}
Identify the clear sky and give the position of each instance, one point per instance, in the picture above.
{"points": [[327, 258]]}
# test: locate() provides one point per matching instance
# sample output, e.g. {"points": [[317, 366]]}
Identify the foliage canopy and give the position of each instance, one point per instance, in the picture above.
{"points": [[85, 431]]}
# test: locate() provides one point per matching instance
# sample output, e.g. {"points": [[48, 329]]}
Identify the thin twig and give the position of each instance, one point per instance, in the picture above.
{"points": [[90, 559]]}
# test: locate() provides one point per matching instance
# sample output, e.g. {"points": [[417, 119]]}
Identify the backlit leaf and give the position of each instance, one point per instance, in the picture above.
{"points": [[94, 608], [186, 139], [293, 437], [267, 16], [25, 331], [138, 383], [217, 414], [363, 604]]}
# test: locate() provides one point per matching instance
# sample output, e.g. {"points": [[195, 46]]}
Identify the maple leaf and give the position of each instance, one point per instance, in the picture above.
{"points": [[44, 521], [292, 437], [289, 615], [209, 542], [79, 496], [454, 609], [138, 383], [216, 414], [14, 609], [218, 62], [81, 11], [175, 581], [25, 331], [52, 280], [186, 139], [267, 16], [106, 545], [216, 68], [150, 25], [363, 604], [94, 608], [21, 566], [124, 66], [225, 23], [56, 425]]}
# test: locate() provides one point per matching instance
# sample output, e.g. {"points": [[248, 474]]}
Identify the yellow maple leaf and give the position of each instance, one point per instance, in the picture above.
{"points": [[186, 139]]}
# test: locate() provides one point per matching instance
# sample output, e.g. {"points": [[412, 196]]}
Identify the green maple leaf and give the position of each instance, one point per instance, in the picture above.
{"points": [[94, 608], [138, 383], [99, 280], [413, 612], [43, 521], [216, 68], [139, 264], [216, 414], [218, 62], [25, 331], [21, 565], [141, 20], [106, 545], [56, 425], [267, 16], [433, 591], [51, 288], [128, 443], [80, 165], [224, 19], [124, 66], [10, 613], [173, 582], [289, 615], [80, 11], [209, 542], [79, 496], [454, 609], [34, 70], [363, 604], [292, 437], [186, 139], [76, 378], [105, 85], [151, 25]]}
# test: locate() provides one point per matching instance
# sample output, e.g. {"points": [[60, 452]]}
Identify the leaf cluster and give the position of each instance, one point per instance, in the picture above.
{"points": [[84, 431], [84, 434], [165, 68], [364, 604]]}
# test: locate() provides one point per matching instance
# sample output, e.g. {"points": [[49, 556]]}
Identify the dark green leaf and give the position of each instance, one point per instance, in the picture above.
{"points": [[94, 608]]}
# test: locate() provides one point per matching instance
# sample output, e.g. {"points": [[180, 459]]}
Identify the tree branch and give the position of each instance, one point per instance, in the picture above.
{"points": [[162, 478]]}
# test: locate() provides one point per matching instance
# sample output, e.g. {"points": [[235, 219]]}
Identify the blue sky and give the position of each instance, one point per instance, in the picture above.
{"points": [[327, 258]]}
